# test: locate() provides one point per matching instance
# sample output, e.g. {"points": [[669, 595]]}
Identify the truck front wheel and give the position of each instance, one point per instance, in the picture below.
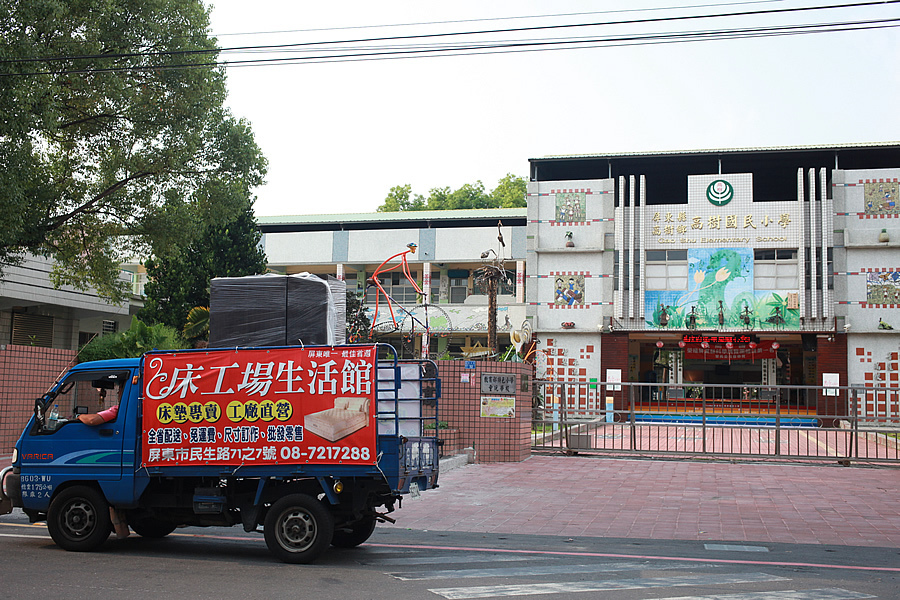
{"points": [[78, 519], [355, 534], [298, 529]]}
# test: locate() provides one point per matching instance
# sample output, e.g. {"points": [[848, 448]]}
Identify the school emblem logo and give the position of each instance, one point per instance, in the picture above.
{"points": [[719, 192]]}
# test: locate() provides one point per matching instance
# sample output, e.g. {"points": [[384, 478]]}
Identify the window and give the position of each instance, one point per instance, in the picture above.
{"points": [[32, 330], [775, 269], [397, 286], [666, 270], [830, 269], [87, 392], [616, 272], [507, 286], [459, 290], [110, 327]]}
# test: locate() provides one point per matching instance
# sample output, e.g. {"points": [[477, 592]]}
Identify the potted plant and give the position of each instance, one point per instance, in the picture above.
{"points": [[569, 242]]}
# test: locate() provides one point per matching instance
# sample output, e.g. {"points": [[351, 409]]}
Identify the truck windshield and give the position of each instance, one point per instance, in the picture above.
{"points": [[88, 392]]}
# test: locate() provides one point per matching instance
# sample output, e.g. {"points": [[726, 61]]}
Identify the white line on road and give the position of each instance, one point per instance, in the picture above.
{"points": [[22, 535], [486, 591], [545, 570], [818, 594]]}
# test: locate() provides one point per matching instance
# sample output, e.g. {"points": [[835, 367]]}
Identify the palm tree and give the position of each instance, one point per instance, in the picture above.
{"points": [[197, 326]]}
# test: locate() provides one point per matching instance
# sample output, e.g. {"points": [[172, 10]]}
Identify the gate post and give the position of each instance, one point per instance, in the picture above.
{"points": [[854, 428], [777, 424]]}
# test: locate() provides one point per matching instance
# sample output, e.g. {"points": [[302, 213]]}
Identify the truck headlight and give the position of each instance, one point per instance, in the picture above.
{"points": [[15, 455]]}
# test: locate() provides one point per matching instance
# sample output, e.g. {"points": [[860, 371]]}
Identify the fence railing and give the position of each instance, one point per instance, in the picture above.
{"points": [[847, 423]]}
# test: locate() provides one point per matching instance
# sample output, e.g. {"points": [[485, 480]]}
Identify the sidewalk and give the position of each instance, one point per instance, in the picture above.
{"points": [[665, 499], [572, 496]]}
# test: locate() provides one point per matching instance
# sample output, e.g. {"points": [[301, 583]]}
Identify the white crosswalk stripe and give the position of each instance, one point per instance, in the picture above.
{"points": [[531, 589], [542, 570], [817, 594], [498, 566]]}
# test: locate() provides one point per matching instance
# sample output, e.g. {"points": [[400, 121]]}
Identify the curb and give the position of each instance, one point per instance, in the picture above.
{"points": [[448, 463]]}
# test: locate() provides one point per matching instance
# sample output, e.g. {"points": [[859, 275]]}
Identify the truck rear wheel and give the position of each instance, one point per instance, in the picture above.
{"points": [[78, 519], [298, 529], [355, 534]]}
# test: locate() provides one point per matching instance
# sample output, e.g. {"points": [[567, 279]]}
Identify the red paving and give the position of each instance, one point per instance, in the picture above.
{"points": [[759, 442], [665, 499]]}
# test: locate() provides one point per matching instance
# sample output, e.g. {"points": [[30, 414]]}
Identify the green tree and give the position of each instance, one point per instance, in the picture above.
{"points": [[114, 138], [509, 193], [399, 199], [139, 338], [180, 281], [358, 324]]}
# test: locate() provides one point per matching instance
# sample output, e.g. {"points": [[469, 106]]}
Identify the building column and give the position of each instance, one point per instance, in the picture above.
{"points": [[520, 281]]}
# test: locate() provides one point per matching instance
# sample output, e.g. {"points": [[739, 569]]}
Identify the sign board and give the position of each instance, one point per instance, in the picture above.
{"points": [[503, 407], [831, 381], [470, 364], [498, 383], [614, 376], [259, 407]]}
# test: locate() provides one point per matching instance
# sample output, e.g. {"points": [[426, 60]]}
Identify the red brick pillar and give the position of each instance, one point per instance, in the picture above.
{"points": [[831, 357], [614, 355]]}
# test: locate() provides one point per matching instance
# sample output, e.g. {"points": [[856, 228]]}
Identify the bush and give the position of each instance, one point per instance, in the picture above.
{"points": [[139, 338]]}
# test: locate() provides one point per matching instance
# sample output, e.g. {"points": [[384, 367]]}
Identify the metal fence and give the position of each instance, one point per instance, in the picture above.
{"points": [[838, 424]]}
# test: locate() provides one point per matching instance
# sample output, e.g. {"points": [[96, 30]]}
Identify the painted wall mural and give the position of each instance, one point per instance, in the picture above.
{"points": [[721, 295], [881, 197], [883, 288], [569, 290], [570, 207]]}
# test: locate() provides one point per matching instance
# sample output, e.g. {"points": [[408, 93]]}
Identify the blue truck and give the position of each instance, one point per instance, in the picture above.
{"points": [[311, 446]]}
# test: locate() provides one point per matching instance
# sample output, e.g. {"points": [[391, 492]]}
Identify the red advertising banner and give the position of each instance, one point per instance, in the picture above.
{"points": [[721, 352], [260, 407]]}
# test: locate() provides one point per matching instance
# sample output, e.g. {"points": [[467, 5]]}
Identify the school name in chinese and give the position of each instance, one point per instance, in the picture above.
{"points": [[703, 230]]}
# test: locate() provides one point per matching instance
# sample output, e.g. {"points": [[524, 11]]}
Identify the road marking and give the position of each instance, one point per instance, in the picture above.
{"points": [[22, 535], [541, 570], [817, 594], [440, 560], [770, 563], [485, 591], [735, 548]]}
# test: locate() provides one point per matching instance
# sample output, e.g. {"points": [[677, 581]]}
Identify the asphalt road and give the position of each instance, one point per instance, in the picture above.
{"points": [[400, 564]]}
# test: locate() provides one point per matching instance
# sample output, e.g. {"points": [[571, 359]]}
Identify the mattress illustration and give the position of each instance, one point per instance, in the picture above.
{"points": [[347, 416]]}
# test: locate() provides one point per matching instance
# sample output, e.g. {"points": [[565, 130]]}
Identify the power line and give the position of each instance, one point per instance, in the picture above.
{"points": [[486, 19], [388, 53], [451, 34], [337, 54]]}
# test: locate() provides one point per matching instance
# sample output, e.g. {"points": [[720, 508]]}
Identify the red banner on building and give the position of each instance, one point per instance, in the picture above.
{"points": [[260, 407], [738, 352]]}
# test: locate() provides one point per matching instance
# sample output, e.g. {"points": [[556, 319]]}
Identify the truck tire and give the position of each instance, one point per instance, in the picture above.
{"points": [[298, 529], [78, 519], [354, 535], [149, 527]]}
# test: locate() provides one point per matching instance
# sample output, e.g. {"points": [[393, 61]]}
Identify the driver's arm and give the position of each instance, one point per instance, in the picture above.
{"points": [[104, 416], [92, 419]]}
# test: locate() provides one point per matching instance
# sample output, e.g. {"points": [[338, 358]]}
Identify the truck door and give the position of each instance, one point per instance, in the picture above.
{"points": [[70, 449]]}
